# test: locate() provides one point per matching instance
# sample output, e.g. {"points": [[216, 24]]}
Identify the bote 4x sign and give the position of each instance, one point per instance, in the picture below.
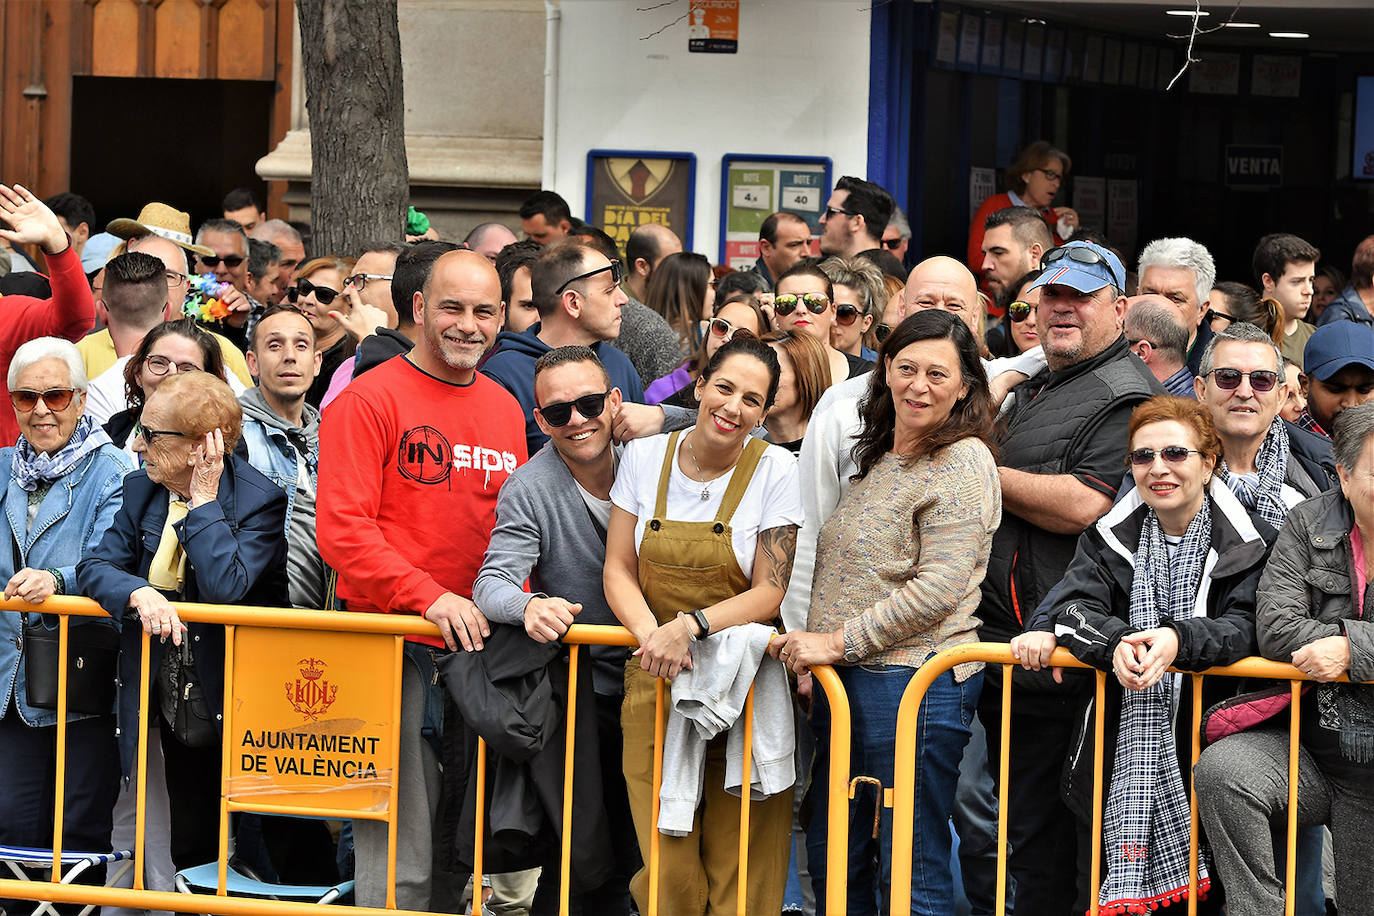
{"points": [[1254, 167]]}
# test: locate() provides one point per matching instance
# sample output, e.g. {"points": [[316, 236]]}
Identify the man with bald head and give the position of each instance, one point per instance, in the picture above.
{"points": [[1061, 453], [411, 461], [487, 239], [1156, 335], [280, 233]]}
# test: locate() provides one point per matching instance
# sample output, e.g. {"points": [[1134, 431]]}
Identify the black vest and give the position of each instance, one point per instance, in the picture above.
{"points": [[1053, 413]]}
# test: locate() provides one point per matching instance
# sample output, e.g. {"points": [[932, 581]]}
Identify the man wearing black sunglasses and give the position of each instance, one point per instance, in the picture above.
{"points": [[576, 290], [551, 531], [229, 263], [855, 217]]}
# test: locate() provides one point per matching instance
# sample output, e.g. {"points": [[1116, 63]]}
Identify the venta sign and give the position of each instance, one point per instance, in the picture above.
{"points": [[1254, 167]]}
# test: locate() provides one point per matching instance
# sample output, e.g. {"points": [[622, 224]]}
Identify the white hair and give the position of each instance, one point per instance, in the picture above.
{"points": [[41, 348], [1184, 254]]}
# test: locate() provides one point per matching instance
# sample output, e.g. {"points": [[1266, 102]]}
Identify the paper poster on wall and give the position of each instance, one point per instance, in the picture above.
{"points": [[714, 27], [970, 37], [1362, 165], [1090, 200], [1123, 213], [1054, 55], [982, 184], [1092, 59], [629, 188], [1276, 75], [1111, 61], [992, 42], [1034, 58], [1215, 74], [1149, 60], [753, 187], [947, 38], [1011, 46], [1130, 63]]}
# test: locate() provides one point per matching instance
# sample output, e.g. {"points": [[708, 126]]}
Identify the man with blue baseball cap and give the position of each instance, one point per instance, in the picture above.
{"points": [[1062, 451], [1338, 370]]}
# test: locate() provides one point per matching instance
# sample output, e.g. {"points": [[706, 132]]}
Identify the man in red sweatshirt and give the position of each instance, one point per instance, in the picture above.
{"points": [[412, 456], [70, 313]]}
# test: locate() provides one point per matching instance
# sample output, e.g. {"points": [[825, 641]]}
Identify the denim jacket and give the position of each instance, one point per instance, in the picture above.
{"points": [[71, 520], [273, 456]]}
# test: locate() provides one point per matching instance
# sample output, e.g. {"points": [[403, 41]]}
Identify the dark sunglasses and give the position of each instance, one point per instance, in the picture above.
{"points": [[831, 211], [25, 400], [148, 435], [590, 406], [1229, 379], [846, 314], [613, 267], [881, 331], [1214, 313], [323, 294], [727, 331], [231, 261], [1171, 453], [815, 303], [1019, 311], [1083, 256], [892, 244]]}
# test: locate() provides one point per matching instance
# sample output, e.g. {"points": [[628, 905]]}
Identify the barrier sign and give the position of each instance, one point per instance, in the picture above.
{"points": [[753, 187], [1254, 166], [312, 719]]}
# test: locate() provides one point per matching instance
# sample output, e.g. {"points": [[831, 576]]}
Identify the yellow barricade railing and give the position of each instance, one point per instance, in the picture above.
{"points": [[904, 800], [397, 626]]}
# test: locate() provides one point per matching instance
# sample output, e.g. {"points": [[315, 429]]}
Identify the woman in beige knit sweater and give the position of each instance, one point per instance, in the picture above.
{"points": [[898, 567]]}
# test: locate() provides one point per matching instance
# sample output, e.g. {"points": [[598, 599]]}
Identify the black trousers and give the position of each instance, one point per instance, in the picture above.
{"points": [[193, 788], [1041, 830]]}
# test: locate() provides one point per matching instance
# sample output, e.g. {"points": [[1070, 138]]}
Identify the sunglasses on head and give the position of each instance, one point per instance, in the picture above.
{"points": [[1229, 379], [323, 294], [846, 314], [1082, 256], [815, 303], [590, 406], [231, 260], [1171, 453], [613, 267], [26, 400], [1019, 311]]}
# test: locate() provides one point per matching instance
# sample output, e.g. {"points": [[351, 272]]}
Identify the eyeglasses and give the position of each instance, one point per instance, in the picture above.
{"points": [[815, 303], [161, 365], [148, 435], [613, 267], [174, 277], [881, 332], [25, 400], [323, 294], [1214, 313], [230, 261], [1170, 453], [1083, 256], [1019, 311], [1051, 174], [1229, 379], [590, 406], [846, 314], [359, 281], [892, 244], [723, 329], [831, 211]]}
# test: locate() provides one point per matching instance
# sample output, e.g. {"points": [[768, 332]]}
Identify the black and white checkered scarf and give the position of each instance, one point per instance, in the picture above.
{"points": [[1146, 817], [1266, 498]]}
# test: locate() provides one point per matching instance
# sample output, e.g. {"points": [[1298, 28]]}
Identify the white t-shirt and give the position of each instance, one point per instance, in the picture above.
{"points": [[105, 393], [772, 499]]}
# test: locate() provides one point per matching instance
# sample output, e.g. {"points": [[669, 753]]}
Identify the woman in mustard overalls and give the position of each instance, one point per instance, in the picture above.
{"points": [[703, 527]]}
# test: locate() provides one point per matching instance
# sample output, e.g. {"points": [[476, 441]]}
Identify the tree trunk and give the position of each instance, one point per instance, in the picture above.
{"points": [[360, 181]]}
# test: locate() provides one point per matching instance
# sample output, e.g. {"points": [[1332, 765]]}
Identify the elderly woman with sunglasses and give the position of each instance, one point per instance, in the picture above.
{"points": [[197, 524], [318, 292], [59, 491], [1167, 577], [738, 312], [805, 301]]}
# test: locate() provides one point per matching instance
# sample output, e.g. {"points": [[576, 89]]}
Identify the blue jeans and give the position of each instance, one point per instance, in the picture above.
{"points": [[942, 730]]}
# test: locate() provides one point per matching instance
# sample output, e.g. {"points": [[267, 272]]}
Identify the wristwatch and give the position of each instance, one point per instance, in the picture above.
{"points": [[700, 617], [851, 655]]}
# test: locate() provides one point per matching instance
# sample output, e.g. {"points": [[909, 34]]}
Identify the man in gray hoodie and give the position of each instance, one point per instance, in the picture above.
{"points": [[281, 437], [551, 519]]}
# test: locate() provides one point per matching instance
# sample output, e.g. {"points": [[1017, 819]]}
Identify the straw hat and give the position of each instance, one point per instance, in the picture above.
{"points": [[161, 220]]}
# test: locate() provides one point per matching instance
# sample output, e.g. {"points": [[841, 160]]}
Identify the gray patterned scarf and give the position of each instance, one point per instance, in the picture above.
{"points": [[1146, 816], [1266, 497], [29, 466]]}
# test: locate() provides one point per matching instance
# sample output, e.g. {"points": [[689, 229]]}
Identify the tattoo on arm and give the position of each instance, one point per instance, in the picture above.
{"points": [[779, 547]]}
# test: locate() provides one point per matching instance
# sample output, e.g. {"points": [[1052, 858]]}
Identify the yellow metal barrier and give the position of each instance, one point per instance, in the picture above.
{"points": [[904, 800], [396, 626]]}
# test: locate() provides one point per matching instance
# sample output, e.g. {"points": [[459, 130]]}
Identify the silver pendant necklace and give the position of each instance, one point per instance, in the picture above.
{"points": [[705, 489]]}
